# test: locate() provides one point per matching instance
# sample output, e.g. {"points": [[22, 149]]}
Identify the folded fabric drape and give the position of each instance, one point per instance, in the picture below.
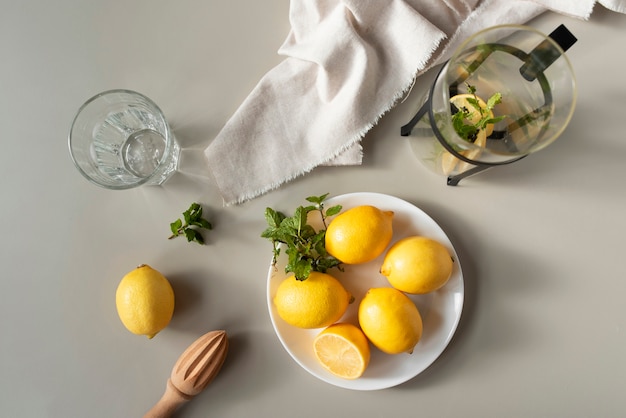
{"points": [[347, 63]]}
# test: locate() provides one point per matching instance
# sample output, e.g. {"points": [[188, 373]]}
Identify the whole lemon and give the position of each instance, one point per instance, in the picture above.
{"points": [[417, 265], [316, 302], [360, 234], [390, 320], [144, 301]]}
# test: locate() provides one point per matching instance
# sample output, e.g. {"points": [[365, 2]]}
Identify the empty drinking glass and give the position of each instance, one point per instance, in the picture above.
{"points": [[120, 139]]}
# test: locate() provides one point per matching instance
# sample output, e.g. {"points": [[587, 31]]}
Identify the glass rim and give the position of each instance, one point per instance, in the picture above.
{"points": [[168, 139]]}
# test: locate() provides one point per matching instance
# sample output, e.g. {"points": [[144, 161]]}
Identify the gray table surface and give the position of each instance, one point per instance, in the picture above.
{"points": [[543, 329]]}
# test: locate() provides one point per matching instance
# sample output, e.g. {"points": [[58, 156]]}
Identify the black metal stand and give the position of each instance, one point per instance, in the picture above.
{"points": [[452, 180]]}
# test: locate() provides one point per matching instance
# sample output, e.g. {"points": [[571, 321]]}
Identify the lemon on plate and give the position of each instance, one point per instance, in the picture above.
{"points": [[145, 301], [316, 302], [390, 320], [417, 265], [359, 234], [343, 350]]}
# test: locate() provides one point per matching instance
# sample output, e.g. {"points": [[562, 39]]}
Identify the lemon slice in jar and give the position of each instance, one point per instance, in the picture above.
{"points": [[448, 161], [461, 101]]}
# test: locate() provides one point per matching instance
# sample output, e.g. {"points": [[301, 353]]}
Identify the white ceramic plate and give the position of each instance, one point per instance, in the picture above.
{"points": [[440, 310]]}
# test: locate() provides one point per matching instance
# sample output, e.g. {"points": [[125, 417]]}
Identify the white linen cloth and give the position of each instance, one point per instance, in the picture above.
{"points": [[347, 63]]}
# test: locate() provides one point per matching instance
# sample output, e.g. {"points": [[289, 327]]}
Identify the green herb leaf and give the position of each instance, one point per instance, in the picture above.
{"points": [[176, 225], [333, 210], [190, 234], [475, 104], [482, 124], [467, 131], [305, 247], [317, 199], [494, 100], [197, 237], [192, 218], [273, 218], [203, 223]]}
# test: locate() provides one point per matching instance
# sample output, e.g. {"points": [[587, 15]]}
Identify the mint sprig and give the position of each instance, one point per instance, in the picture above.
{"points": [[193, 221], [469, 132], [306, 248]]}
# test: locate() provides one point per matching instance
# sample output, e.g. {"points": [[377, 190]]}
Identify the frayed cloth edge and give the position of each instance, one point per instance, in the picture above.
{"points": [[397, 97]]}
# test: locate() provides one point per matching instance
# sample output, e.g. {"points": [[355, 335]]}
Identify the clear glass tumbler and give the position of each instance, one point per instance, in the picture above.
{"points": [[516, 88], [120, 139]]}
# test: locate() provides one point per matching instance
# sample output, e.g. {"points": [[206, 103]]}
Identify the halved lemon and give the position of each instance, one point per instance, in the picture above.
{"points": [[343, 349], [474, 153], [448, 161], [460, 101]]}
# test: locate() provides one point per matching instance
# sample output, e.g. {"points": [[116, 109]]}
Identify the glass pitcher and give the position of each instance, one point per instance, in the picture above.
{"points": [[506, 92]]}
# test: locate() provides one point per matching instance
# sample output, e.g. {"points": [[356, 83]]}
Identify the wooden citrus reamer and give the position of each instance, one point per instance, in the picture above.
{"points": [[193, 371]]}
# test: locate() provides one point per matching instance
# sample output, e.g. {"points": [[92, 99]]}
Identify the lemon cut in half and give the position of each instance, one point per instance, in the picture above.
{"points": [[343, 350], [448, 161]]}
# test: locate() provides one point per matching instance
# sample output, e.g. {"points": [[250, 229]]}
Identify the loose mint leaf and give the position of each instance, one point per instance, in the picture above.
{"points": [[198, 238], [190, 234], [203, 223], [176, 225], [187, 216], [192, 218]]}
